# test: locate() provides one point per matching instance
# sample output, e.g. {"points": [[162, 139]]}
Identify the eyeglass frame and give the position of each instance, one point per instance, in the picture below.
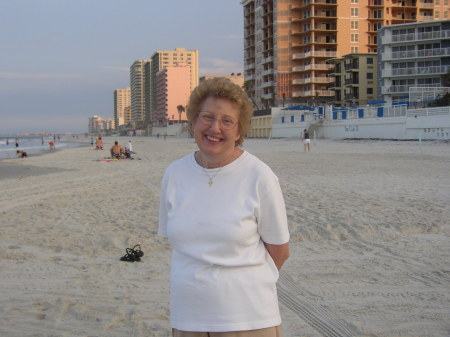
{"points": [[220, 121]]}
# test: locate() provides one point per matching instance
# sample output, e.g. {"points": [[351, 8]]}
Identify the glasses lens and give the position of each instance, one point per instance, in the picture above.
{"points": [[226, 123]]}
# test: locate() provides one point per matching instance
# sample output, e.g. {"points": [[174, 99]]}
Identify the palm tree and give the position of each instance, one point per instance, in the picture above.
{"points": [[180, 109]]}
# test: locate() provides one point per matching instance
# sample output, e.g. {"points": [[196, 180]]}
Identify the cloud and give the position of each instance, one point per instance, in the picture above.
{"points": [[30, 76]]}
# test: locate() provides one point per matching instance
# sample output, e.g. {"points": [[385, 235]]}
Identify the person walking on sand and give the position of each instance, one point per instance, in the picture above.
{"points": [[17, 142], [223, 212], [306, 141], [52, 145]]}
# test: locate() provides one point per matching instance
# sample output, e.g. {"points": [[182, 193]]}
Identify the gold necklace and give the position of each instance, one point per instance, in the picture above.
{"points": [[211, 177]]}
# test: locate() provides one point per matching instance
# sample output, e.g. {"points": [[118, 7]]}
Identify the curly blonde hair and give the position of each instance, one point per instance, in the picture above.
{"points": [[221, 87]]}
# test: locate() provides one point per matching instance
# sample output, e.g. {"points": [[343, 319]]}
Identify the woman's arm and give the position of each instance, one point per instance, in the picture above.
{"points": [[279, 253]]}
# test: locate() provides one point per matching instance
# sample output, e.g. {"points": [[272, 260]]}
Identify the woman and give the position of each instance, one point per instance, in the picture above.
{"points": [[224, 215], [306, 141]]}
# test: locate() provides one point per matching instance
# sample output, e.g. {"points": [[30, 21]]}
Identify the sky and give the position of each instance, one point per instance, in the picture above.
{"points": [[61, 60]]}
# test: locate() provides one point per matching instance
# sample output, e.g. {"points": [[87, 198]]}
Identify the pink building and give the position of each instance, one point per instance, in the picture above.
{"points": [[173, 89]]}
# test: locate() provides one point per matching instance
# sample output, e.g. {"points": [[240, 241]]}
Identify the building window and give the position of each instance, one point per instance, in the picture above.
{"points": [[354, 1], [369, 76], [354, 50], [369, 60], [446, 14], [436, 14], [354, 11], [354, 37], [378, 14], [369, 91], [354, 24]]}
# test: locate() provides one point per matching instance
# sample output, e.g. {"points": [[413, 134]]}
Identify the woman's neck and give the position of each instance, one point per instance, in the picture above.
{"points": [[210, 162]]}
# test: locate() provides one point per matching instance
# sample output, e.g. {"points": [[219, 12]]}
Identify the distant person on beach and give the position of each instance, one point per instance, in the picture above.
{"points": [[52, 145], [223, 212], [22, 154], [17, 142], [7, 141], [42, 140], [128, 149], [116, 151], [306, 141], [99, 143]]}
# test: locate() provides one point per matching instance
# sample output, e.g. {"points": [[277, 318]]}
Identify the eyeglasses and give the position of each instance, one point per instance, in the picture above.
{"points": [[209, 118]]}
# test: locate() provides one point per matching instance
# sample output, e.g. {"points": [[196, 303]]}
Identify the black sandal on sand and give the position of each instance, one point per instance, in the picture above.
{"points": [[137, 250], [130, 256], [133, 254]]}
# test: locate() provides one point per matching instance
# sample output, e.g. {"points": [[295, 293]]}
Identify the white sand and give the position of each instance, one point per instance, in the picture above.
{"points": [[370, 226]]}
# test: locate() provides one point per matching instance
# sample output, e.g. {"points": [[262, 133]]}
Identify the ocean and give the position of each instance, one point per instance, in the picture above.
{"points": [[32, 144]]}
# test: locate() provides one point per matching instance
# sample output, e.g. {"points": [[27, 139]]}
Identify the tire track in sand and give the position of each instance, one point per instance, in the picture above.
{"points": [[318, 317]]}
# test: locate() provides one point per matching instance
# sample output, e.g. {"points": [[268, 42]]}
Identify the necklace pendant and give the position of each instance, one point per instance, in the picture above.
{"points": [[210, 182]]}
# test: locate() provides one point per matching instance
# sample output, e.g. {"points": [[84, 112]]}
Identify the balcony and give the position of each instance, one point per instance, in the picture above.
{"points": [[267, 60], [312, 80], [312, 67], [351, 81], [267, 72], [328, 54], [443, 34], [310, 93], [267, 84], [373, 18], [375, 4], [398, 89], [417, 71], [412, 54], [317, 3], [248, 66]]}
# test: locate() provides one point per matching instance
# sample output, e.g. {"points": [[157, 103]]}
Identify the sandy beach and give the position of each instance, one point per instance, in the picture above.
{"points": [[369, 223]]}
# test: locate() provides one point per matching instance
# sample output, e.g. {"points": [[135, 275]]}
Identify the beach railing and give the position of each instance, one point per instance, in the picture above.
{"points": [[439, 111]]}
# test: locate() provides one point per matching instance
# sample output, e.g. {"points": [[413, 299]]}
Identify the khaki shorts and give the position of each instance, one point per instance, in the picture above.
{"points": [[275, 331]]}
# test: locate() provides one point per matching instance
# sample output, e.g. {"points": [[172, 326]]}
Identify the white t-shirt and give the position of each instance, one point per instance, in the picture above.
{"points": [[129, 147], [222, 277]]}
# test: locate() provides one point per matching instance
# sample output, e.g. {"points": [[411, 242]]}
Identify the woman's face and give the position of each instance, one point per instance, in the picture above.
{"points": [[216, 128]]}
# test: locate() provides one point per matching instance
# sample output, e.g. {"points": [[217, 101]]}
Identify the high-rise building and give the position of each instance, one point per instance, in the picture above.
{"points": [[122, 101], [172, 58], [355, 79], [287, 42], [413, 55], [140, 91], [173, 90]]}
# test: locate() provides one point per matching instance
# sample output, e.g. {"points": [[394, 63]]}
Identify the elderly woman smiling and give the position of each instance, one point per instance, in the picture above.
{"points": [[223, 213]]}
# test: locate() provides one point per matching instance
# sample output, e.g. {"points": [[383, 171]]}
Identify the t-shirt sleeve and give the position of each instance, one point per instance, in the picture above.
{"points": [[162, 228], [271, 217]]}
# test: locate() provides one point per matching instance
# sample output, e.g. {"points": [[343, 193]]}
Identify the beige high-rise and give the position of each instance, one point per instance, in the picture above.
{"points": [[172, 58], [287, 42], [122, 106], [139, 83]]}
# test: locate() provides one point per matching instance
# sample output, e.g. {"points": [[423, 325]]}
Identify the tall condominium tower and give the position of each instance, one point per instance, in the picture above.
{"points": [[140, 91], [122, 104], [287, 42], [173, 90], [172, 58]]}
